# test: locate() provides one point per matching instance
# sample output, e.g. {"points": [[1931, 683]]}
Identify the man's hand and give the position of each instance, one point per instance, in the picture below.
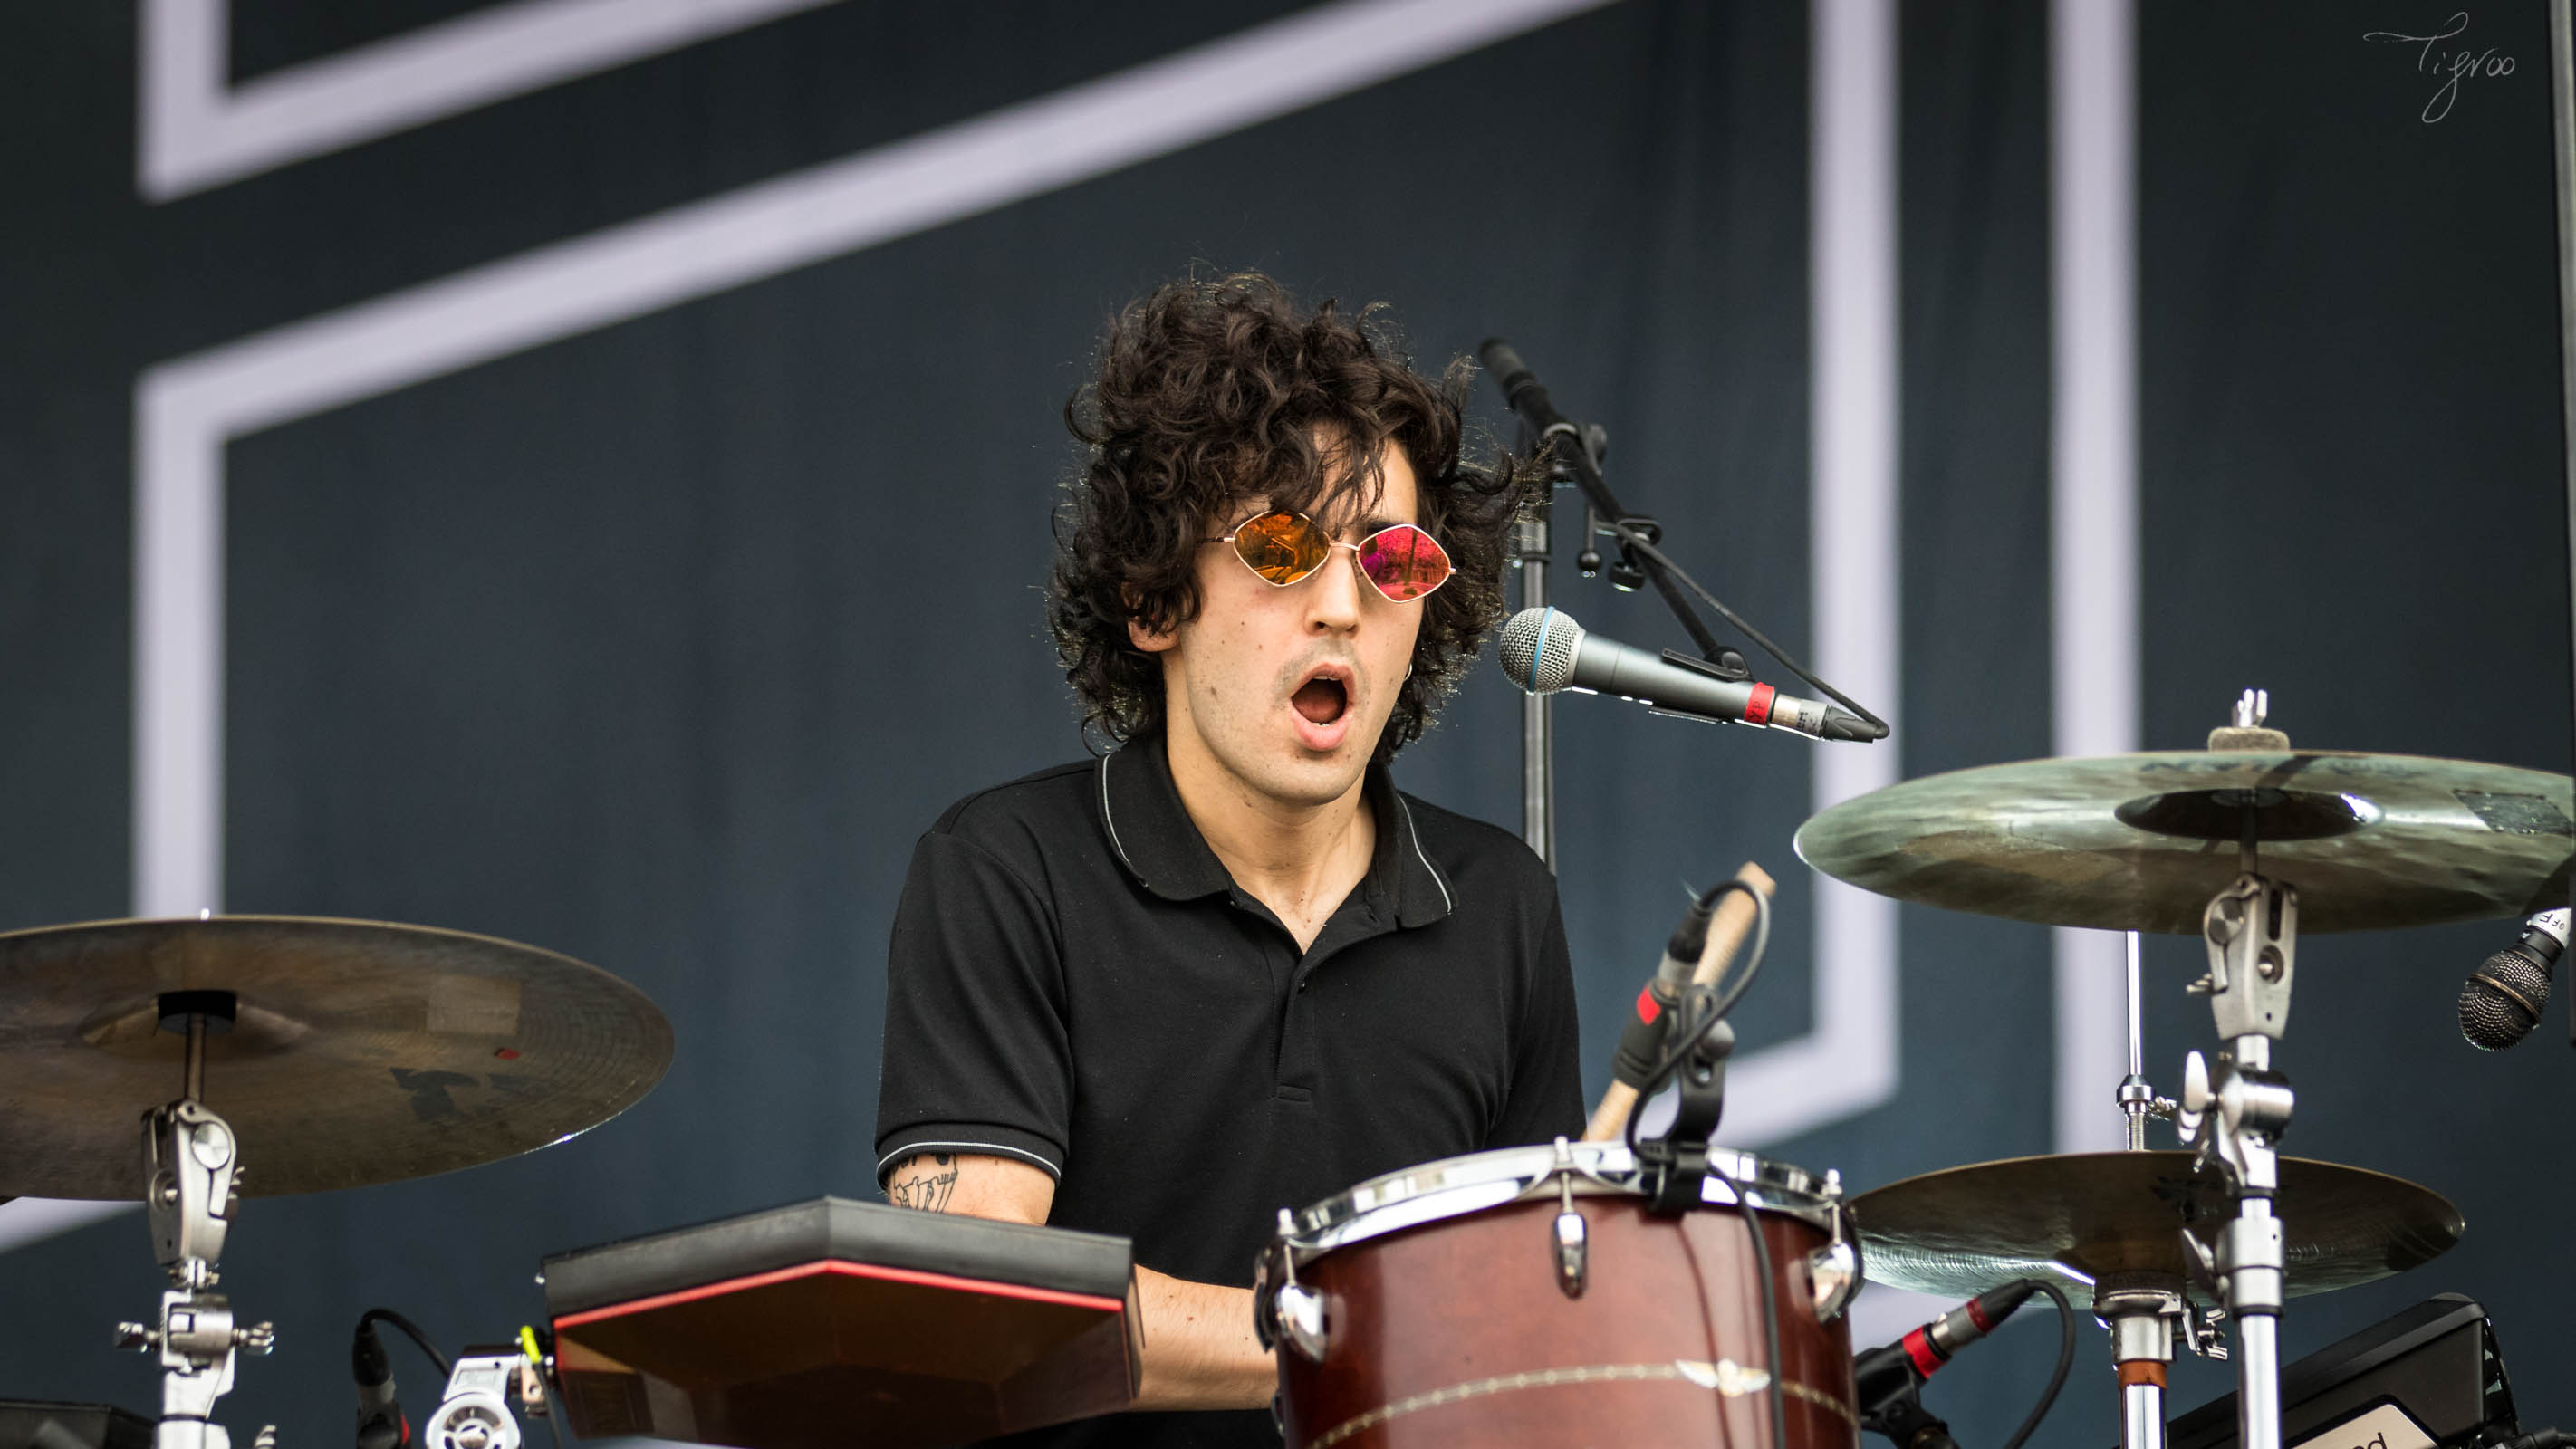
{"points": [[1199, 1348]]}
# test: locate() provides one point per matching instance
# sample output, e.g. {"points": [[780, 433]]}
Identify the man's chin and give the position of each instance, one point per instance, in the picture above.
{"points": [[1316, 778]]}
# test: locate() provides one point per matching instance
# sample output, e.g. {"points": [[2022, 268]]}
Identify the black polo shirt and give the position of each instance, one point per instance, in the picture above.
{"points": [[1077, 982]]}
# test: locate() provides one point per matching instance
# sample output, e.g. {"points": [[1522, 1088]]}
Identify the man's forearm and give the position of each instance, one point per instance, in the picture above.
{"points": [[1199, 1348]]}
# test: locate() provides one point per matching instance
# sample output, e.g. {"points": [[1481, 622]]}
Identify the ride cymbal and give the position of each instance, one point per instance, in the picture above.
{"points": [[2087, 1216], [2142, 842], [359, 1052]]}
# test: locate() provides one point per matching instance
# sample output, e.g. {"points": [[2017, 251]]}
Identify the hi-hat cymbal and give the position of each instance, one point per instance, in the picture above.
{"points": [[2141, 842], [360, 1052], [2087, 1216]]}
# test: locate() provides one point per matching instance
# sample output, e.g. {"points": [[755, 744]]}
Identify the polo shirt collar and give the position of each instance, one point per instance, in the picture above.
{"points": [[1140, 808]]}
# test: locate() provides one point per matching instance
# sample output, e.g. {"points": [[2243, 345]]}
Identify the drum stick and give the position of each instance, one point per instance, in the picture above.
{"points": [[1726, 932]]}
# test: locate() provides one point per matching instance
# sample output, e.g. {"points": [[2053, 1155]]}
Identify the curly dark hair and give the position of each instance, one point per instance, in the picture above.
{"points": [[1214, 394]]}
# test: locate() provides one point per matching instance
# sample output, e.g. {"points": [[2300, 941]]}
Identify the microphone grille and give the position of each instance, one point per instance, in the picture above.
{"points": [[2501, 1002], [1537, 649]]}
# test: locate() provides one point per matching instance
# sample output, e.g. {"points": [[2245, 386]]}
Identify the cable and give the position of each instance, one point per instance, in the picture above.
{"points": [[412, 1331], [2065, 1361], [1726, 1000], [1637, 540], [1779, 1394]]}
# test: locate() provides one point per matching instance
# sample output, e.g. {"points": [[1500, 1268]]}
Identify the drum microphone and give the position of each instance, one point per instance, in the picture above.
{"points": [[1544, 651], [1887, 1381], [2502, 1000], [381, 1424], [1641, 1044]]}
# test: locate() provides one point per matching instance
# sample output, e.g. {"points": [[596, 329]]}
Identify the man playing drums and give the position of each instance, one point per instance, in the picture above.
{"points": [[1228, 967]]}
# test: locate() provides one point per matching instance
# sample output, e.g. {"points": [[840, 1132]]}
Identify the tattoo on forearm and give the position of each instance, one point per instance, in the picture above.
{"points": [[926, 1182]]}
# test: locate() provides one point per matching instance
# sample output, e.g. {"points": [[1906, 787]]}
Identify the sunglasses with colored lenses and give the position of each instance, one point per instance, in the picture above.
{"points": [[1401, 562]]}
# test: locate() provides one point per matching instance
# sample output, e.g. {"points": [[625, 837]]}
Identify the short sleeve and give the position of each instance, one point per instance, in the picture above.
{"points": [[976, 1053], [1545, 1098]]}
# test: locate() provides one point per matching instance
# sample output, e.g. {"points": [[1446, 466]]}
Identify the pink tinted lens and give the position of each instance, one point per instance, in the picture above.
{"points": [[1404, 562]]}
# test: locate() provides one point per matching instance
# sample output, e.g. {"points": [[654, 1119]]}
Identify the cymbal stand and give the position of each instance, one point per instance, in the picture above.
{"points": [[191, 1173], [2138, 1099], [2142, 1310], [2233, 1117]]}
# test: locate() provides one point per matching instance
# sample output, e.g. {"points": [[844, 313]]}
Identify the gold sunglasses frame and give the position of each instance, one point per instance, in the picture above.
{"points": [[1330, 543]]}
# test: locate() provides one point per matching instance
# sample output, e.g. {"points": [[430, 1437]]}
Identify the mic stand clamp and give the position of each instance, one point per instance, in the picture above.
{"points": [[1674, 1164], [1902, 1420]]}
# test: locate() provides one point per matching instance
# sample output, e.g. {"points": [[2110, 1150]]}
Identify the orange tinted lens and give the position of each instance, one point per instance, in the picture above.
{"points": [[1281, 547], [1404, 562]]}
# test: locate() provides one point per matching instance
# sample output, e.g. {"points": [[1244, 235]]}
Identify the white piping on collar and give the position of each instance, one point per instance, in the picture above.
{"points": [[1112, 821], [1448, 906]]}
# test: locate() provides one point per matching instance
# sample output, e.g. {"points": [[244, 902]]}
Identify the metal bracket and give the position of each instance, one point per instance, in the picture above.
{"points": [[1833, 1271], [475, 1414], [1284, 1310], [2252, 930], [190, 1162], [1570, 1234]]}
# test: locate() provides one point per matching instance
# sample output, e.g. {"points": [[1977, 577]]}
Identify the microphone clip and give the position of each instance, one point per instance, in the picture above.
{"points": [[1899, 1416], [1674, 1162]]}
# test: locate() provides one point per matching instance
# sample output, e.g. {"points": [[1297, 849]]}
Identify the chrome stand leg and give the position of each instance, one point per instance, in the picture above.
{"points": [[2142, 1314]]}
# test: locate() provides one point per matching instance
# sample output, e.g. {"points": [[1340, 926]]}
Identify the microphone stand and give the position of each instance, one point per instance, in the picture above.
{"points": [[2562, 150], [1530, 547], [1580, 462]]}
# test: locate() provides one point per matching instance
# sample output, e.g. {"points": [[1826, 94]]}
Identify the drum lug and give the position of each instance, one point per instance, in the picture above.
{"points": [[1833, 1274], [1284, 1310], [1297, 1315], [1571, 1235], [1833, 1271]]}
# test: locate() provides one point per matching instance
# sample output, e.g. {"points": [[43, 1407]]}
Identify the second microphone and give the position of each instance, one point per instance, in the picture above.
{"points": [[1544, 651]]}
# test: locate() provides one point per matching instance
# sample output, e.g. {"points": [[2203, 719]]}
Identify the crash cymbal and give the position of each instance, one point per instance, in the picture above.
{"points": [[2141, 842], [359, 1053], [2088, 1215]]}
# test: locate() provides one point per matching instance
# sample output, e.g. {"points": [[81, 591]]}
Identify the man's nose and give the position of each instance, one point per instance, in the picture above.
{"points": [[1333, 605]]}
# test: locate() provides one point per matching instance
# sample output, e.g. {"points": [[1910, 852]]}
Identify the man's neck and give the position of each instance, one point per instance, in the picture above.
{"points": [[1302, 861]]}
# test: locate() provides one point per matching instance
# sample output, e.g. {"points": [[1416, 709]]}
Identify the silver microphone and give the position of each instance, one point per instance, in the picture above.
{"points": [[1544, 651], [2502, 1000]]}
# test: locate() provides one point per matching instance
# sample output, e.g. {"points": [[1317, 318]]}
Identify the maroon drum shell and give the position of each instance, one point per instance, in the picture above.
{"points": [[1467, 1301]]}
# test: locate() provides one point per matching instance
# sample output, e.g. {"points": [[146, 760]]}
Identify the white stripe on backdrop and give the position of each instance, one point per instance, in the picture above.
{"points": [[2093, 497], [195, 132]]}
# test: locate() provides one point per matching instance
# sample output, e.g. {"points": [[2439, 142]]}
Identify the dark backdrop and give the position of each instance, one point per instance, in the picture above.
{"points": [[659, 645]]}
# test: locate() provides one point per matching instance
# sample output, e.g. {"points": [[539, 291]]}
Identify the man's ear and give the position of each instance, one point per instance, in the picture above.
{"points": [[1141, 634]]}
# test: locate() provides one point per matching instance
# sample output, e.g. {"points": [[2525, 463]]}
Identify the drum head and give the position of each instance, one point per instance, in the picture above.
{"points": [[1455, 1186]]}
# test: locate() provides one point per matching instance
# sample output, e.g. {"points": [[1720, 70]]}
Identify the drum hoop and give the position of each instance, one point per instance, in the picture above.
{"points": [[1479, 1181]]}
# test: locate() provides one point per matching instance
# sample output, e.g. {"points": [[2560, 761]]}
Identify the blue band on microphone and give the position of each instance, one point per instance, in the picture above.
{"points": [[1541, 651]]}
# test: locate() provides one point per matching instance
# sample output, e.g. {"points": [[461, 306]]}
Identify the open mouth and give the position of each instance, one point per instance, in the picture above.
{"points": [[1322, 699]]}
